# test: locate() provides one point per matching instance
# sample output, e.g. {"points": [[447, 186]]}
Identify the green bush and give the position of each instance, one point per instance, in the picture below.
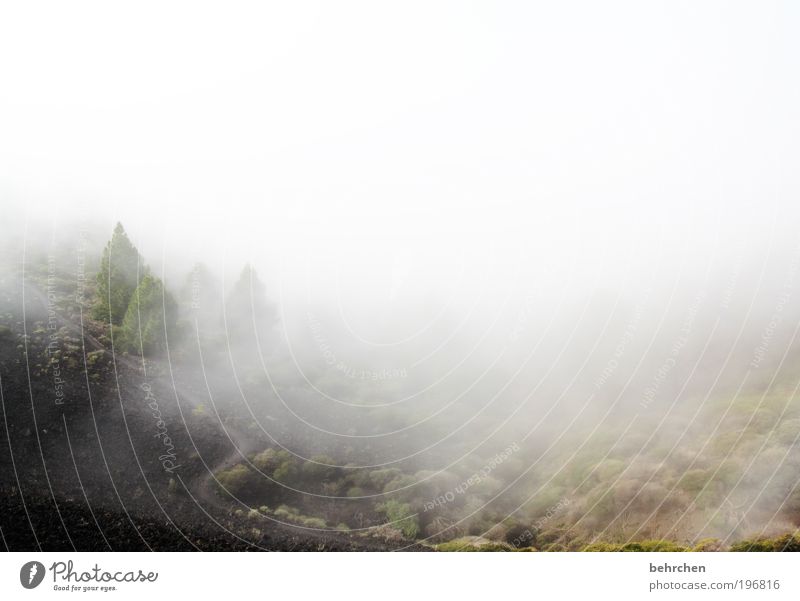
{"points": [[286, 472], [755, 545], [287, 513], [268, 460], [469, 544], [708, 544], [786, 542], [236, 480], [602, 547], [320, 468], [661, 545], [400, 516], [636, 547], [310, 522], [693, 481], [380, 478], [95, 357]]}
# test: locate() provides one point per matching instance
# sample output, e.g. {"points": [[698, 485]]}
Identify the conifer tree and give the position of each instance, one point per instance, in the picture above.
{"points": [[149, 320], [120, 271]]}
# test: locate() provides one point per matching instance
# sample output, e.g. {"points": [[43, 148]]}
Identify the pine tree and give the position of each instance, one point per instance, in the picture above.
{"points": [[149, 320], [247, 309], [201, 299], [120, 271]]}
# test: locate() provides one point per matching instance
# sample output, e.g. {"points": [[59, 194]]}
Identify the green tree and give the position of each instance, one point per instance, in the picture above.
{"points": [[247, 310], [150, 318], [120, 271], [200, 298]]}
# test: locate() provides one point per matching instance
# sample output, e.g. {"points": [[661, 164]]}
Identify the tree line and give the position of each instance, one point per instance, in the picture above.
{"points": [[144, 316]]}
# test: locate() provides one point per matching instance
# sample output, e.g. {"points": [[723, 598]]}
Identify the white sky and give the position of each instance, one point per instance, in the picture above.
{"points": [[342, 137]]}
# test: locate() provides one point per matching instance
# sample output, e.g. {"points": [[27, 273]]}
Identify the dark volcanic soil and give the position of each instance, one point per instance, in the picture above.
{"points": [[83, 456]]}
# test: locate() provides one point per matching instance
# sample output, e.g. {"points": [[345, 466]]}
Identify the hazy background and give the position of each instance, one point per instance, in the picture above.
{"points": [[458, 146], [571, 221]]}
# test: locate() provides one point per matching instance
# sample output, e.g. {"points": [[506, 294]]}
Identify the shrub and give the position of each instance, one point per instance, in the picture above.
{"points": [[693, 481], [236, 480], [287, 513], [708, 544], [473, 544], [662, 546], [553, 547], [380, 478], [786, 542], [401, 517], [632, 548], [635, 547], [286, 472], [267, 460], [95, 357], [602, 547], [758, 545], [521, 536], [458, 545], [320, 468]]}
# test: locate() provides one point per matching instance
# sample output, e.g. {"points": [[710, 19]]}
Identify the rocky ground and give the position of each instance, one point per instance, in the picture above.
{"points": [[98, 451]]}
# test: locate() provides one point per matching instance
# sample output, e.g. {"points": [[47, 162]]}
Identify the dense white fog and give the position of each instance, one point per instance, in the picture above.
{"points": [[568, 227]]}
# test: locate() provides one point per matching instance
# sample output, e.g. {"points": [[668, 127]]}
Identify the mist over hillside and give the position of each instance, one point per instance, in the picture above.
{"points": [[665, 412], [441, 275]]}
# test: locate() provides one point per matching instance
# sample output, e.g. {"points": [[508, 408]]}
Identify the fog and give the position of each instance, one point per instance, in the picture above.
{"points": [[571, 229]]}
